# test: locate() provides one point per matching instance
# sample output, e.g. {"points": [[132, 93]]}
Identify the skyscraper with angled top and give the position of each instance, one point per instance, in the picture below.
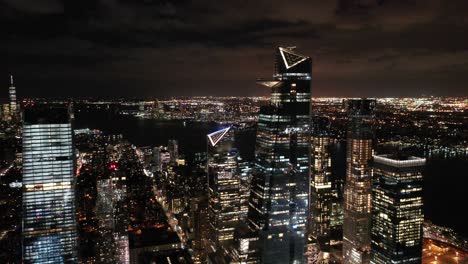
{"points": [[278, 204], [49, 225], [224, 188], [358, 187]]}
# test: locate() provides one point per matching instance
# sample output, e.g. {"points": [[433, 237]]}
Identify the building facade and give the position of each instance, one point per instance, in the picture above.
{"points": [[320, 191], [397, 209], [279, 200], [224, 189], [49, 224], [358, 186], [13, 102]]}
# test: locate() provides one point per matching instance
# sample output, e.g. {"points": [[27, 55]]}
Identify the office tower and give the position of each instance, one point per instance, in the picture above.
{"points": [[105, 203], [279, 201], [244, 170], [156, 160], [320, 191], [49, 225], [105, 215], [397, 209], [224, 188], [201, 228], [358, 187], [122, 248], [112, 244], [173, 148], [336, 214], [120, 214], [12, 93], [6, 112]]}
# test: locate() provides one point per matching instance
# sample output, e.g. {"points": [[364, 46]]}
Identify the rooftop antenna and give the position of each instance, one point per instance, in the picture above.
{"points": [[11, 80]]}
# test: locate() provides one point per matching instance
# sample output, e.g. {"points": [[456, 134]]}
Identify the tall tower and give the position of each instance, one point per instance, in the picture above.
{"points": [[13, 104], [358, 186], [224, 188], [173, 147], [49, 224], [278, 203], [106, 251], [397, 209], [320, 191]]}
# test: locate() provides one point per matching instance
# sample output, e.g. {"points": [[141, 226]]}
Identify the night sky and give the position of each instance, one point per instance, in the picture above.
{"points": [[152, 48]]}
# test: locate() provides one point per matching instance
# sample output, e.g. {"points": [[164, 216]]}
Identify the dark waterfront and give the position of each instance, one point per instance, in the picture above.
{"points": [[148, 132], [445, 179]]}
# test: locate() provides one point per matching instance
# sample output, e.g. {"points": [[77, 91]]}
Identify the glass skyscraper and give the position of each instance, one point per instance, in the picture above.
{"points": [[224, 189], [13, 103], [358, 186], [397, 209], [279, 200], [49, 225], [320, 191]]}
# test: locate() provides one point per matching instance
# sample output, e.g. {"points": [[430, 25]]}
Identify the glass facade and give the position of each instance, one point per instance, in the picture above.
{"points": [[358, 186], [279, 198], [49, 225], [224, 189], [320, 191], [397, 209], [13, 104]]}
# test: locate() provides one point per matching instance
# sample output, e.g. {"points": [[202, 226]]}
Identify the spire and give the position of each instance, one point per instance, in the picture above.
{"points": [[216, 136], [11, 80]]}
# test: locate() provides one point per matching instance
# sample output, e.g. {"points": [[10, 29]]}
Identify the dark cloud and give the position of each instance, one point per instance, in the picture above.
{"points": [[187, 47], [36, 6]]}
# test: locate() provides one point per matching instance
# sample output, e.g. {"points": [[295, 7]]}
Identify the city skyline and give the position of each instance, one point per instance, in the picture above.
{"points": [[197, 200], [155, 48], [233, 132]]}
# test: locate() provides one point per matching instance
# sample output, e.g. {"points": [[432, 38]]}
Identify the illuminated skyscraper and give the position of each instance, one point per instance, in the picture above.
{"points": [[320, 191], [49, 225], [336, 214], [6, 114], [358, 187], [173, 148], [105, 215], [224, 189], [397, 209], [13, 104], [279, 200], [112, 243]]}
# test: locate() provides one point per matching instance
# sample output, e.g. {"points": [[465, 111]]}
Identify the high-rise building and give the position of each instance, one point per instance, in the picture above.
{"points": [[13, 104], [201, 228], [224, 189], [6, 116], [112, 243], [336, 214], [244, 170], [173, 148], [49, 224], [358, 186], [397, 209], [105, 215], [279, 201], [320, 191]]}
